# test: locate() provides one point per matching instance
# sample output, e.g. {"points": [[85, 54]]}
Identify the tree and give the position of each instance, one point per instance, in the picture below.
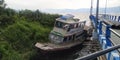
{"points": [[6, 20], [2, 3]]}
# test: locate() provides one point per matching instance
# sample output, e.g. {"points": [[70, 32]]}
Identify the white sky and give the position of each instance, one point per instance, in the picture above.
{"points": [[57, 4]]}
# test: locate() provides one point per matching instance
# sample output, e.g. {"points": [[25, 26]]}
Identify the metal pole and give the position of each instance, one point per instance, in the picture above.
{"points": [[105, 7], [95, 34], [99, 53], [97, 12], [91, 7]]}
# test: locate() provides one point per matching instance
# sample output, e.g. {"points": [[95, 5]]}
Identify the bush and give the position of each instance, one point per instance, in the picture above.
{"points": [[24, 34], [6, 20], [19, 31]]}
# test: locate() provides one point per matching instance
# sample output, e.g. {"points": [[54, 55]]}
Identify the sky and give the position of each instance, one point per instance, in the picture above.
{"points": [[57, 4]]}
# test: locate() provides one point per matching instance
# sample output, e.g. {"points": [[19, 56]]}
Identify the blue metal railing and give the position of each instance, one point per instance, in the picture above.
{"points": [[111, 17], [105, 40], [92, 56], [109, 49]]}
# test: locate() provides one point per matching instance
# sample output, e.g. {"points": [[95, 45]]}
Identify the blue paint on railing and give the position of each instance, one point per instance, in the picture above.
{"points": [[93, 19], [105, 39], [100, 27], [111, 17], [108, 34]]}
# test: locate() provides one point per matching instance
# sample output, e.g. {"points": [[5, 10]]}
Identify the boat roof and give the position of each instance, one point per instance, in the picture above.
{"points": [[68, 19]]}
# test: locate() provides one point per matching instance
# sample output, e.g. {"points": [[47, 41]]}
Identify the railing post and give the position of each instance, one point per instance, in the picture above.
{"points": [[100, 27], [92, 18], [108, 35], [114, 18], [119, 19], [108, 32]]}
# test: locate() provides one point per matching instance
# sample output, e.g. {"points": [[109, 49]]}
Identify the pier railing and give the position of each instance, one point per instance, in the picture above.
{"points": [[114, 18], [106, 36]]}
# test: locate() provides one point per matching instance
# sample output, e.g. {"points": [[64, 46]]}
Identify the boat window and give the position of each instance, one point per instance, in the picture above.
{"points": [[70, 38], [59, 24], [82, 25], [65, 39], [77, 36], [79, 25], [71, 26], [75, 25]]}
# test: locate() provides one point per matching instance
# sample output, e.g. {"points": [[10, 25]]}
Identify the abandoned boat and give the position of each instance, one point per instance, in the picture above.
{"points": [[67, 33]]}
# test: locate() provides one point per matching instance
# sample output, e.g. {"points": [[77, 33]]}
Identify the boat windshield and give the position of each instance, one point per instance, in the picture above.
{"points": [[59, 24], [65, 26]]}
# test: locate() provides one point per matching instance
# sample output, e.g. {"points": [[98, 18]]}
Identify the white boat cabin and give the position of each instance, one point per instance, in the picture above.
{"points": [[66, 28]]}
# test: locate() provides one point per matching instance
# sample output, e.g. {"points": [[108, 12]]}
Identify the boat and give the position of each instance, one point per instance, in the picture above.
{"points": [[67, 33]]}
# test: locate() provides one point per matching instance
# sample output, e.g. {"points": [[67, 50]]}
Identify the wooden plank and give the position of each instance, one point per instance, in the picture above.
{"points": [[102, 57]]}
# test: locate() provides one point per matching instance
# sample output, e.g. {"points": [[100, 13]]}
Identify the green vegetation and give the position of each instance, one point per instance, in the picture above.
{"points": [[20, 30]]}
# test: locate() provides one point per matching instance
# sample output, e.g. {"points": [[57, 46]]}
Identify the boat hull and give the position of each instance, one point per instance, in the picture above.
{"points": [[60, 51], [65, 48]]}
